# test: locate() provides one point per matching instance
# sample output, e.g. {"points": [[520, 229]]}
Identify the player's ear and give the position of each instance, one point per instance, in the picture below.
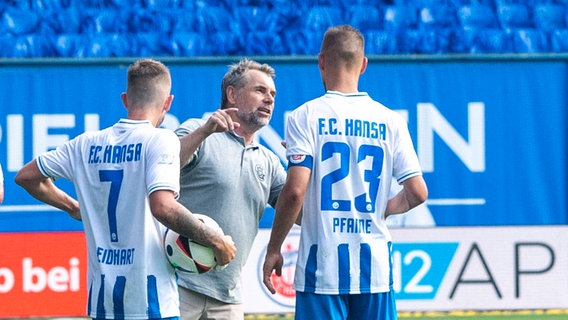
{"points": [[232, 95], [364, 65], [124, 99], [168, 103]]}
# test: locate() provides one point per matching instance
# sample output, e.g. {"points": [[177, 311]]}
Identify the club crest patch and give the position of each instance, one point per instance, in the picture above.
{"points": [[260, 172]]}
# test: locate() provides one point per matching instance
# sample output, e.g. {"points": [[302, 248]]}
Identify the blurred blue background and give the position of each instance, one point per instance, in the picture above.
{"points": [[184, 28]]}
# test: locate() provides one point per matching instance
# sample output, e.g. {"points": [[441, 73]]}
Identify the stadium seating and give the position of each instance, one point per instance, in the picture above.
{"points": [[263, 43], [309, 33], [490, 41], [529, 41], [434, 41], [252, 18], [68, 45], [108, 28], [320, 18], [559, 40], [364, 17], [103, 20], [549, 16], [380, 42], [19, 21], [212, 19], [400, 17], [110, 45], [187, 44], [62, 21], [514, 15], [477, 16], [436, 17]]}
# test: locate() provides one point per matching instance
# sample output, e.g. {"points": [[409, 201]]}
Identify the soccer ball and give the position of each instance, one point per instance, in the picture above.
{"points": [[186, 255]]}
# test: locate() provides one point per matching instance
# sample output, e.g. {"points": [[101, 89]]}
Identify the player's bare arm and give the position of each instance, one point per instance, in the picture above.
{"points": [[43, 189], [176, 217], [219, 121], [288, 210], [413, 193]]}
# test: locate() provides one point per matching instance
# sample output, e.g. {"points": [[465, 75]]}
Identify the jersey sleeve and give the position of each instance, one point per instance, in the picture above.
{"points": [[163, 164], [58, 163], [299, 140]]}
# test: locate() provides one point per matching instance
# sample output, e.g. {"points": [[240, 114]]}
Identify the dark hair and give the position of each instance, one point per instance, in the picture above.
{"points": [[236, 76]]}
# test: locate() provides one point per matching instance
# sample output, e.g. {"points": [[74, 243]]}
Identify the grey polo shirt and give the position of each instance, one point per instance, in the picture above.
{"points": [[232, 183]]}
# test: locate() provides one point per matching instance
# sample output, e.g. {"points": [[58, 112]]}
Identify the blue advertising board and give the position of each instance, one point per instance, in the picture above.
{"points": [[490, 134]]}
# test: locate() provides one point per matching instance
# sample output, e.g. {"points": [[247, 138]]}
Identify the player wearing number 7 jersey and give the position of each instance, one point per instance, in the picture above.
{"points": [[343, 148], [127, 179]]}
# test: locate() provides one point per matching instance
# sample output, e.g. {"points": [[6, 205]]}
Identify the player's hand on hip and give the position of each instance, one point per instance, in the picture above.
{"points": [[221, 120], [272, 262], [226, 252]]}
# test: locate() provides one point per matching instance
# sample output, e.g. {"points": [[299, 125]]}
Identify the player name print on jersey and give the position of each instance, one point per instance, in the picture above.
{"points": [[115, 153], [117, 257], [352, 225], [352, 128]]}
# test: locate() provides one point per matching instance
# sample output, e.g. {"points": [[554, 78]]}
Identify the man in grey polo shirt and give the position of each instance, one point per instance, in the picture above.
{"points": [[230, 177]]}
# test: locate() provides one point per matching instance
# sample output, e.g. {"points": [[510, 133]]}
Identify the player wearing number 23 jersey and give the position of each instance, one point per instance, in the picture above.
{"points": [[343, 151], [351, 144]]}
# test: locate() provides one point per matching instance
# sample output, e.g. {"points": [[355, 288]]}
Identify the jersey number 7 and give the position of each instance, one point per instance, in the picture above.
{"points": [[115, 179]]}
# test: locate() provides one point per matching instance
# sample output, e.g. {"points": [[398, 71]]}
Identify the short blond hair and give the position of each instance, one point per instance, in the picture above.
{"points": [[148, 82]]}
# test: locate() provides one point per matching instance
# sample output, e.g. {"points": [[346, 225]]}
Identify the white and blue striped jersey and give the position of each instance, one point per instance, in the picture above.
{"points": [[113, 171], [353, 146]]}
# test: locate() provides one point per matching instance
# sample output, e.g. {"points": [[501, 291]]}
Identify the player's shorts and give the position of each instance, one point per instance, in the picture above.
{"points": [[370, 306]]}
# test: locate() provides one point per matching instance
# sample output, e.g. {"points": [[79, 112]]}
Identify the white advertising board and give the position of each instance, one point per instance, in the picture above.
{"points": [[443, 269]]}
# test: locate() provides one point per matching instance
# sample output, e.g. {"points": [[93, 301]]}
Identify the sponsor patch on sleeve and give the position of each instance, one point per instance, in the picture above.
{"points": [[166, 158], [300, 160]]}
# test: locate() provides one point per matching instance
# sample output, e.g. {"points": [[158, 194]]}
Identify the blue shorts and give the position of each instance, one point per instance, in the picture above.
{"points": [[369, 306]]}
